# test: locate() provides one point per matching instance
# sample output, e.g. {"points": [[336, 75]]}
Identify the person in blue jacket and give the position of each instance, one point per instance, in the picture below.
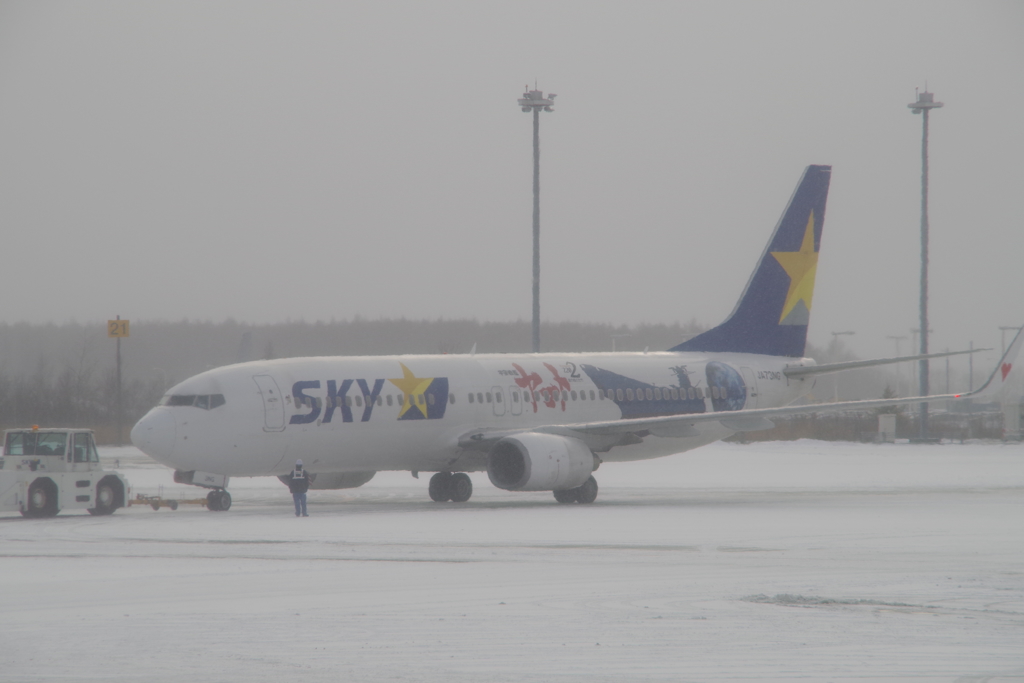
{"points": [[298, 484]]}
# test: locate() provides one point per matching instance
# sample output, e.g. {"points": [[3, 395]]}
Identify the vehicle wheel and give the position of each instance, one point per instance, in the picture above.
{"points": [[566, 496], [225, 500], [173, 504], [587, 492], [213, 501], [155, 506], [440, 487], [460, 487], [106, 499], [42, 499]]}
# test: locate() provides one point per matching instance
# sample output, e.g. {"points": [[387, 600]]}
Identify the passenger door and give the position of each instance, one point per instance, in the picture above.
{"points": [[516, 405], [273, 403], [499, 401]]}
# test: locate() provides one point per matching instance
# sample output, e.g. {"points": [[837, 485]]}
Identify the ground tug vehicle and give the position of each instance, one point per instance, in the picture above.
{"points": [[44, 471]]}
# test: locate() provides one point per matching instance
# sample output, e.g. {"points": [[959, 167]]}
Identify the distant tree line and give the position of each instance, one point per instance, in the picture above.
{"points": [[64, 375], [74, 397]]}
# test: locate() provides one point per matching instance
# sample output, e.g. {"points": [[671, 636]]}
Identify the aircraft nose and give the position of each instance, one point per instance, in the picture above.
{"points": [[154, 434]]}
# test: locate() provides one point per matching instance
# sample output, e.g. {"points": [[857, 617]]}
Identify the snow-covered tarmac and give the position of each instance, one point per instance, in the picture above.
{"points": [[778, 561]]}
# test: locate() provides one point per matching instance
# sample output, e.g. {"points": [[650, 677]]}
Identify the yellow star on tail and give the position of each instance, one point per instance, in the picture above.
{"points": [[801, 266], [411, 385]]}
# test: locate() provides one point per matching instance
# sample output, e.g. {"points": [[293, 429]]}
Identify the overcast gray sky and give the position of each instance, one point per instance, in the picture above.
{"points": [[317, 160]]}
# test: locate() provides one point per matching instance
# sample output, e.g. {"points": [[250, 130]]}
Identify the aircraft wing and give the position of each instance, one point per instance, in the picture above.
{"points": [[805, 370], [601, 436]]}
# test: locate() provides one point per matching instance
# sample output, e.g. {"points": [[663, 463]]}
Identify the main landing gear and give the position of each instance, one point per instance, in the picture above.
{"points": [[218, 500], [584, 493], [445, 486], [458, 488]]}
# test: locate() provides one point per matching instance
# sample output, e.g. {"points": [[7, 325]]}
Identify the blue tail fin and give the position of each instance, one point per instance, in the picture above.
{"points": [[772, 315]]}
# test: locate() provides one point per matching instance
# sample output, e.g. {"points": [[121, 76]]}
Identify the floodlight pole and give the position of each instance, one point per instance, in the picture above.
{"points": [[897, 339], [970, 365], [835, 348], [534, 100], [925, 103], [120, 406]]}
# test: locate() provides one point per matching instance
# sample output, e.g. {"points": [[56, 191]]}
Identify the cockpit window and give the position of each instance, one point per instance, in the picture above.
{"points": [[204, 401]]}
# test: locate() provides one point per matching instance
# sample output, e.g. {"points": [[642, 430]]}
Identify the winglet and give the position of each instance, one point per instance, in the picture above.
{"points": [[1006, 368]]}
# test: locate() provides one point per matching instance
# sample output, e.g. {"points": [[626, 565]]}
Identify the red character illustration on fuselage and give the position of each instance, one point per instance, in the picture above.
{"points": [[531, 382], [528, 381], [562, 385]]}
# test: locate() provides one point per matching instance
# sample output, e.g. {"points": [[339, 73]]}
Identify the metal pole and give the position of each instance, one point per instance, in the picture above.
{"points": [[913, 366], [897, 339], [898, 369], [118, 420], [923, 363], [947, 371], [970, 363], [925, 103], [536, 230], [835, 349], [535, 100]]}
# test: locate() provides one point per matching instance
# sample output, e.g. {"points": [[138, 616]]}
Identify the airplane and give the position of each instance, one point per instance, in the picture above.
{"points": [[533, 422]]}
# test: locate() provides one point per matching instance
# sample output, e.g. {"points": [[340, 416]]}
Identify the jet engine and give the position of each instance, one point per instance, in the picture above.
{"points": [[539, 462], [334, 480]]}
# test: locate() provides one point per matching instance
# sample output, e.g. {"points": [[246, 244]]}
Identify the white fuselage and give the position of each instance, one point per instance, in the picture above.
{"points": [[356, 414]]}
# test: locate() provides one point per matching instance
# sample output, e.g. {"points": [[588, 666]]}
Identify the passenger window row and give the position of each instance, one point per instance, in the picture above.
{"points": [[666, 394], [211, 401], [480, 397], [646, 394], [359, 400]]}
